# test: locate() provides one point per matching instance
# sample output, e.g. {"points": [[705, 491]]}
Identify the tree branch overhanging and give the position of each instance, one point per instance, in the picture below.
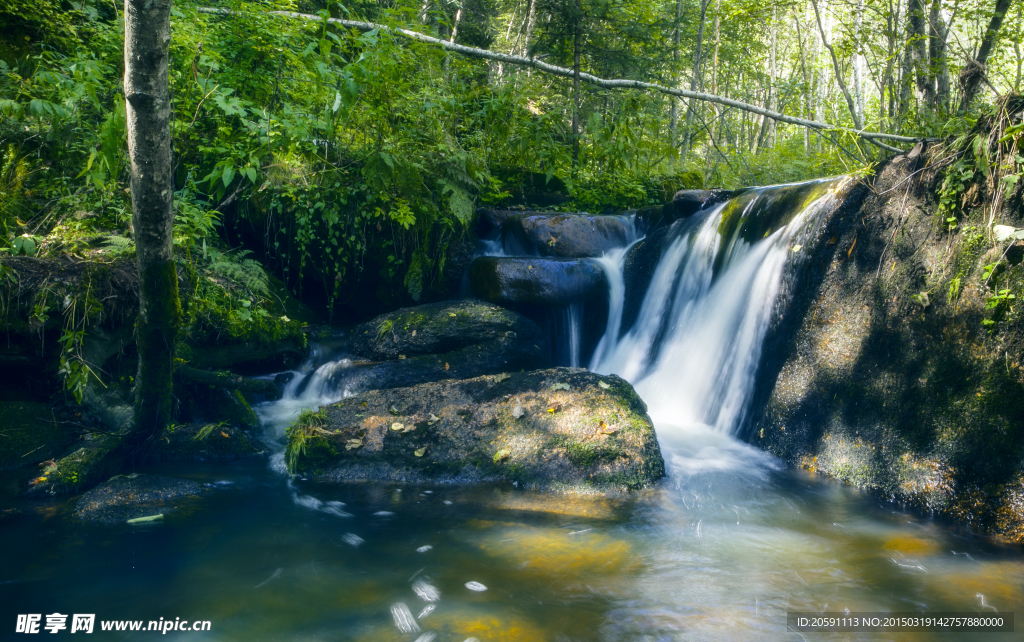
{"points": [[872, 137]]}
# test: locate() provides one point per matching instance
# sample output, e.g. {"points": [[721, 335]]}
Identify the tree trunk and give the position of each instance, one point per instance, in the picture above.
{"points": [[455, 27], [918, 43], [697, 60], [937, 57], [577, 46], [974, 70], [674, 113], [858, 62], [839, 73], [147, 36]]}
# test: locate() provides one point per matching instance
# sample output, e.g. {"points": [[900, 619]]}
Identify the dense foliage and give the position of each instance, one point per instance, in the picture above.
{"points": [[350, 162]]}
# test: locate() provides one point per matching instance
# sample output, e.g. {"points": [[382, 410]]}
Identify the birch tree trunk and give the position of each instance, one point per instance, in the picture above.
{"points": [[674, 109], [697, 60], [147, 37], [839, 73], [858, 62], [974, 70], [577, 46]]}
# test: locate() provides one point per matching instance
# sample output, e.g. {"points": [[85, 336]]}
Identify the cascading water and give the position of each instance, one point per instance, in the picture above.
{"points": [[325, 377], [693, 351], [725, 549]]}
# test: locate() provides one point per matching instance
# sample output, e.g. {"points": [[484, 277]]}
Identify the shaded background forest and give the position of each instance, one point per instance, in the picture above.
{"points": [[348, 164]]}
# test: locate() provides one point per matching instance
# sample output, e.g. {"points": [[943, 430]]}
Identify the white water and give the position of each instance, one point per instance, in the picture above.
{"points": [[693, 352]]}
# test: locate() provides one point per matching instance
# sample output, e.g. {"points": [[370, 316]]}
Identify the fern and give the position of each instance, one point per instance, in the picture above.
{"points": [[244, 271], [117, 245]]}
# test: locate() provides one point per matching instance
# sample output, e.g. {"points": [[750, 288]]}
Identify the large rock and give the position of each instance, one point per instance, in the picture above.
{"points": [[561, 429], [437, 327], [575, 235], [133, 496], [536, 281], [888, 378]]}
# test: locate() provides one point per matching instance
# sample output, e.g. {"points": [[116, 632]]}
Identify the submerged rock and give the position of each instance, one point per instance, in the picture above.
{"points": [[133, 496], [576, 235], [437, 327], [562, 429], [552, 282]]}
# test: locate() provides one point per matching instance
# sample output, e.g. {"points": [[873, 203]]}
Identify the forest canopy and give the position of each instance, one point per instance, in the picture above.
{"points": [[351, 161]]}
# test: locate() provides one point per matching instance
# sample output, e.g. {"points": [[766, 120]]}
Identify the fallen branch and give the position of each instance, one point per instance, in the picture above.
{"points": [[564, 72]]}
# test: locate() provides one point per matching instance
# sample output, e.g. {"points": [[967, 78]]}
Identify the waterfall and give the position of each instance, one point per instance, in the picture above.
{"points": [[693, 351], [569, 331]]}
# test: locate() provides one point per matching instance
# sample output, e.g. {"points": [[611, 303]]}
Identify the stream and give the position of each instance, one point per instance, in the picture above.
{"points": [[721, 549]]}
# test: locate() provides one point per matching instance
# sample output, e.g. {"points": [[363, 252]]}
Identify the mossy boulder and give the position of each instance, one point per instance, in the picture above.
{"points": [[96, 458], [536, 281], [126, 497], [437, 328], [562, 429]]}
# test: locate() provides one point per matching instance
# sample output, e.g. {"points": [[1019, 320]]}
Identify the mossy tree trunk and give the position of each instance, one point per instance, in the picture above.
{"points": [[147, 36]]}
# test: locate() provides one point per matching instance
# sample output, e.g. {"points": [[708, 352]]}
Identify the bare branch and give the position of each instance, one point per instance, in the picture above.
{"points": [[624, 83]]}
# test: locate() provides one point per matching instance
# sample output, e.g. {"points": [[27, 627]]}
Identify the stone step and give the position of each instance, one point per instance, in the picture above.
{"points": [[535, 280], [557, 234]]}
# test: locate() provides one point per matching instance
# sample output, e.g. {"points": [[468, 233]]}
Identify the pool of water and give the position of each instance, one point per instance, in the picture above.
{"points": [[720, 550]]}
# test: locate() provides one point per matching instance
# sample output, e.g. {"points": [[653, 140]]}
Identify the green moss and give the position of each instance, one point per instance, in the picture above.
{"points": [[100, 459], [156, 333], [587, 454]]}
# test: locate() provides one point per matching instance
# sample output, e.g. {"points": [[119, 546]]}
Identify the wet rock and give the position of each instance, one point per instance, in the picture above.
{"points": [[638, 268], [920, 404], [572, 433], [133, 496], [489, 220], [508, 352], [688, 202], [575, 235], [436, 328], [551, 282], [198, 441]]}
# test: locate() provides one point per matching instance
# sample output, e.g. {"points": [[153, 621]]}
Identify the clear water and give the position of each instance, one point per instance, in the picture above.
{"points": [[720, 550]]}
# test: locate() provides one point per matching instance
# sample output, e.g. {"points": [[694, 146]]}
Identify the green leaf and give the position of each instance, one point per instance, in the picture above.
{"points": [[228, 175]]}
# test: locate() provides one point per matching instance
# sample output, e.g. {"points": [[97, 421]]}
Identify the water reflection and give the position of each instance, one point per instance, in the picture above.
{"points": [[721, 550]]}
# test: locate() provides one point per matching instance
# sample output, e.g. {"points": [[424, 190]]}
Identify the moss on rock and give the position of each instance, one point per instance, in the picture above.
{"points": [[518, 427], [901, 378]]}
